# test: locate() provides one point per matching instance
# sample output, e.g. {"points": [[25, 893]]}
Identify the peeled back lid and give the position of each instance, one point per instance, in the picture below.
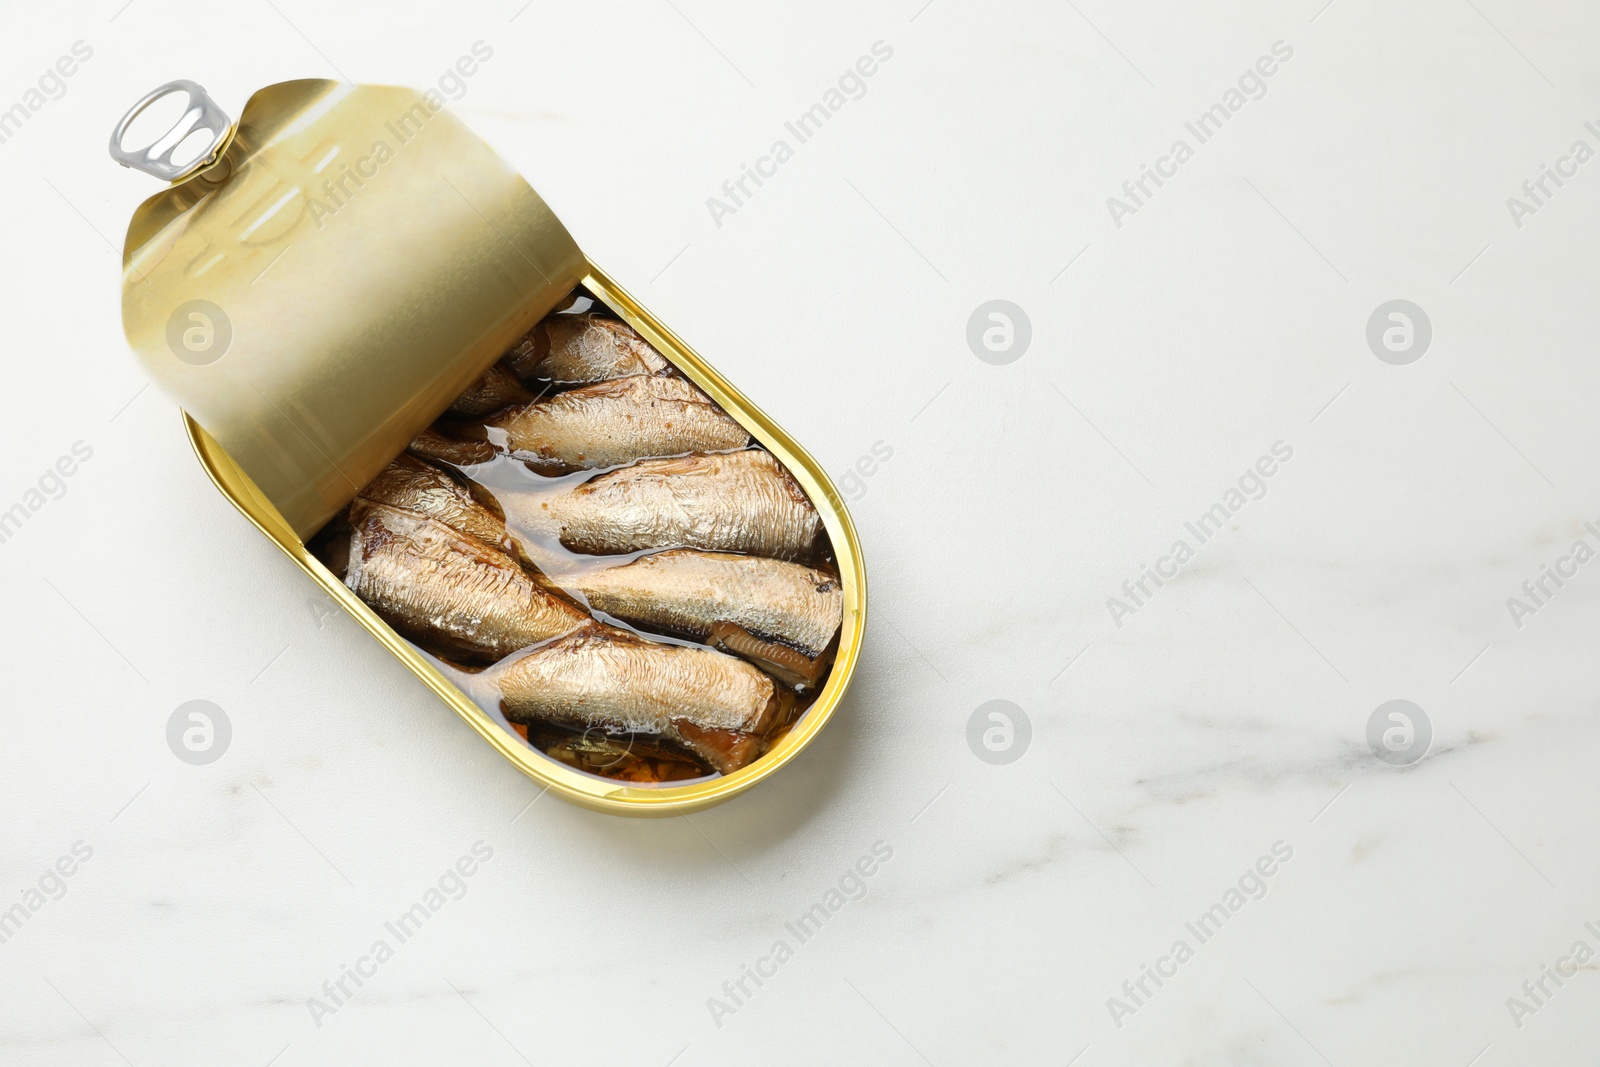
{"points": [[348, 264]]}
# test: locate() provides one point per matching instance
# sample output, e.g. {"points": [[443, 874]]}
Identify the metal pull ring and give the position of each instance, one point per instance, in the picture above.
{"points": [[202, 116]]}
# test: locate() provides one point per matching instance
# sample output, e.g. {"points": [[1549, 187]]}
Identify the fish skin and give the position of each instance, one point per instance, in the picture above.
{"points": [[614, 422], [498, 388], [583, 348], [415, 486], [712, 704], [446, 589], [723, 502], [785, 663], [687, 592], [431, 444]]}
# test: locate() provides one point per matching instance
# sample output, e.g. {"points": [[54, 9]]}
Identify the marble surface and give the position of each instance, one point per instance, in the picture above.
{"points": [[1195, 769]]}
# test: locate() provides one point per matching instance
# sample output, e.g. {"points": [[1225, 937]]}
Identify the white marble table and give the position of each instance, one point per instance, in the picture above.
{"points": [[1195, 798]]}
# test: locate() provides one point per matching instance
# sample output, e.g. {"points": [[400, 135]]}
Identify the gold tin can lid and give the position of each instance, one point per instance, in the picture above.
{"points": [[324, 278]]}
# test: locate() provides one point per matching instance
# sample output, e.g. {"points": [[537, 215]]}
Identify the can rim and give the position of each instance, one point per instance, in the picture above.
{"points": [[586, 790]]}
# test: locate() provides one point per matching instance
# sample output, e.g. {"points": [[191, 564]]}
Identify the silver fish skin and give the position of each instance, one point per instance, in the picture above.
{"points": [[439, 447], [686, 591], [583, 348], [615, 422], [498, 388], [725, 502], [412, 485], [710, 703], [449, 590]]}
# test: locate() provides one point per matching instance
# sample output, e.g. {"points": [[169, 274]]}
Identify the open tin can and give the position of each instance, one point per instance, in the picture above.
{"points": [[323, 279]]}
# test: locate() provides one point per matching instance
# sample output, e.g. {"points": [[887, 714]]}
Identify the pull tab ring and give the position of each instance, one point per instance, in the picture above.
{"points": [[202, 115]]}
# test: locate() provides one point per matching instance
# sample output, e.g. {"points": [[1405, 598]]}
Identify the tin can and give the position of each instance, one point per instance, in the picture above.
{"points": [[323, 278]]}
